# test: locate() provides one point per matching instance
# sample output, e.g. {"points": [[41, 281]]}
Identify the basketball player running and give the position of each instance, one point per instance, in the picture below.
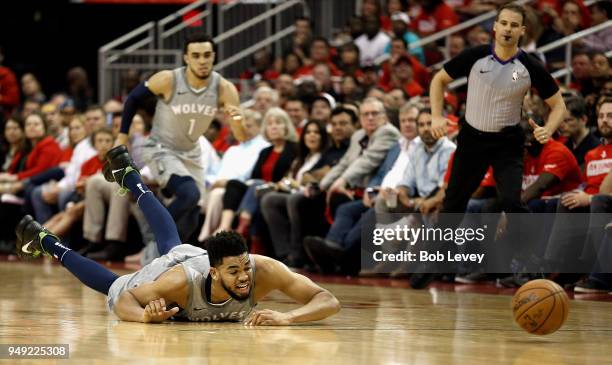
{"points": [[187, 102], [222, 283]]}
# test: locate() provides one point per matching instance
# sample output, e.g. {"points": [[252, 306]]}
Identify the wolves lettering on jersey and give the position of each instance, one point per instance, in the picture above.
{"points": [[179, 123], [203, 109], [223, 316]]}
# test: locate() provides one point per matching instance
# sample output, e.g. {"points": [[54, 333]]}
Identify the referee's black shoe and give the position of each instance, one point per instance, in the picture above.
{"points": [[118, 164]]}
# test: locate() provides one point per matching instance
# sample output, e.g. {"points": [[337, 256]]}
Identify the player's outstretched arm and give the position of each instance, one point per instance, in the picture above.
{"points": [[318, 303], [149, 302], [229, 100], [160, 85]]}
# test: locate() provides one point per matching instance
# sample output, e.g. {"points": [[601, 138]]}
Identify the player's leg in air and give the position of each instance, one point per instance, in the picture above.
{"points": [[33, 240]]}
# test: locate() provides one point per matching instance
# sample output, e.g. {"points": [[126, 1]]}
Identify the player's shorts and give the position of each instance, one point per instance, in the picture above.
{"points": [[165, 162], [152, 271]]}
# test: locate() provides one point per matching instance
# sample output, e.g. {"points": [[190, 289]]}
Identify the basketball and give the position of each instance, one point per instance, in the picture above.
{"points": [[540, 307]]}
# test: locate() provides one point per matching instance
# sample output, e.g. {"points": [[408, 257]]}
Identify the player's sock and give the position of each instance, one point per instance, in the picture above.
{"points": [[87, 271], [157, 216]]}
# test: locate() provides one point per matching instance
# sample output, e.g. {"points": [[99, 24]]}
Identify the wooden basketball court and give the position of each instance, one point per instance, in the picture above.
{"points": [[42, 303]]}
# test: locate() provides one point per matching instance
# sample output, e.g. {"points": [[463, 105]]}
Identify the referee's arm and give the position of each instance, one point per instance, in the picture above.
{"points": [[557, 111], [436, 98]]}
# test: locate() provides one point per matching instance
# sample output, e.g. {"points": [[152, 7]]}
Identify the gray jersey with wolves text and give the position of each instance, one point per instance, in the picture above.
{"points": [[179, 123], [196, 264]]}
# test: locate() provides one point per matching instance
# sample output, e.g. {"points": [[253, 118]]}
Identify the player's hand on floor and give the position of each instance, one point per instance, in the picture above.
{"points": [[155, 311], [267, 317]]}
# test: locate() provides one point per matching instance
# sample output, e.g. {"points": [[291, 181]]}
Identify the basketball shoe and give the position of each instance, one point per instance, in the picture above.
{"points": [[118, 164], [29, 238]]}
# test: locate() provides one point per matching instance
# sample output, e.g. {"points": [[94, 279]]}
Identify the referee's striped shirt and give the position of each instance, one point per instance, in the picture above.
{"points": [[496, 88]]}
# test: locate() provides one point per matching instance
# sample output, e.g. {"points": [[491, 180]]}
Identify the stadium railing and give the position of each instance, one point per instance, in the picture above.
{"points": [[243, 28]]}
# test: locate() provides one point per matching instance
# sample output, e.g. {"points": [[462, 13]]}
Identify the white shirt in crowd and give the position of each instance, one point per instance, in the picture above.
{"points": [[307, 166], [83, 152], [210, 158], [371, 49], [394, 176], [238, 161]]}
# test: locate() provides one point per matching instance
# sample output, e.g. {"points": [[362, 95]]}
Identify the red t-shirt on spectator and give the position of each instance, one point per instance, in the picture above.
{"points": [[268, 167], [411, 88], [555, 159], [443, 17], [307, 70], [421, 75], [385, 23], [44, 155], [66, 154], [224, 140], [597, 164], [91, 167], [9, 91]]}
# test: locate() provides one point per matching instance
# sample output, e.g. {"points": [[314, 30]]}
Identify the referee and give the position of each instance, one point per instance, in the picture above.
{"points": [[499, 76]]}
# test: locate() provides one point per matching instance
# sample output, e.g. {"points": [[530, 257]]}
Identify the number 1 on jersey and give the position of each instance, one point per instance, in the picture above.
{"points": [[191, 126]]}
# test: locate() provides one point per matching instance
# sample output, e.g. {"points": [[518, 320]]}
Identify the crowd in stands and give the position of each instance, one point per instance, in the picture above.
{"points": [[335, 129]]}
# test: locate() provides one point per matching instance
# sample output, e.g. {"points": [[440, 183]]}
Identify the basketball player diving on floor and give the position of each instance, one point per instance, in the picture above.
{"points": [[222, 283], [187, 101]]}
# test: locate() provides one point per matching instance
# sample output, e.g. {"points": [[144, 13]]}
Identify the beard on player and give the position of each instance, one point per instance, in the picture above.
{"points": [[201, 72], [239, 290]]}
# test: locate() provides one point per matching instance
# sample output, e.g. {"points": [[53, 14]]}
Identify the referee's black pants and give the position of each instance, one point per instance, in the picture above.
{"points": [[476, 151]]}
